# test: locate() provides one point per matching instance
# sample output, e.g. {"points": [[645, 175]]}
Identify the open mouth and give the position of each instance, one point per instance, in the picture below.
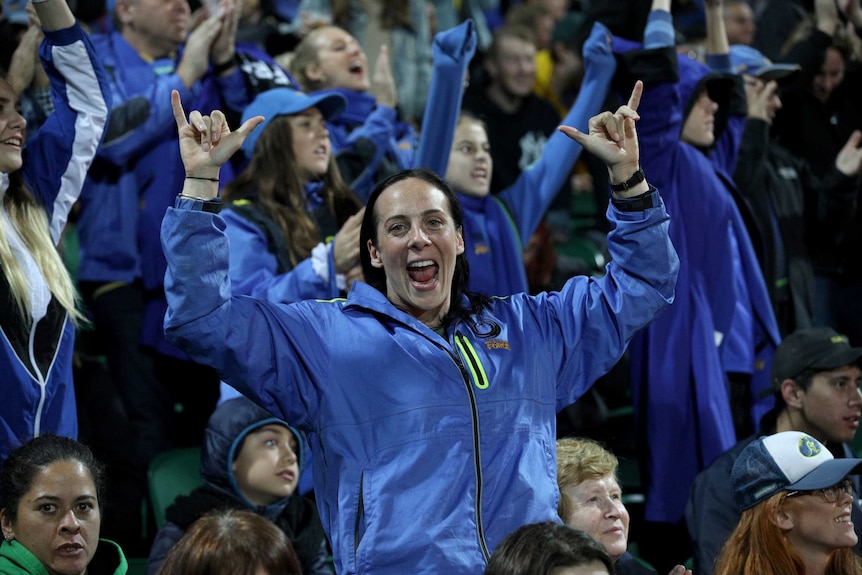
{"points": [[70, 549], [15, 142], [422, 272]]}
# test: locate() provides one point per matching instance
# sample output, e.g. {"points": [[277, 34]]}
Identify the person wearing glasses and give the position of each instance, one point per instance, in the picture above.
{"points": [[796, 504], [815, 379]]}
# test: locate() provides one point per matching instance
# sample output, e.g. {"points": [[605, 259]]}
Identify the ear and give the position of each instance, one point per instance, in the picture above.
{"points": [[792, 393], [782, 518], [459, 242], [8, 531], [375, 255], [122, 9], [314, 73]]}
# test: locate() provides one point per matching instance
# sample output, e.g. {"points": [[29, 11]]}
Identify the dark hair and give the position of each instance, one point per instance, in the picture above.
{"points": [[25, 462], [231, 542], [538, 548], [272, 181], [376, 277]]}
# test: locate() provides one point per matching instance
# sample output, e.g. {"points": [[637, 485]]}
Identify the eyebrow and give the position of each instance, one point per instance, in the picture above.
{"points": [[54, 498], [425, 213]]}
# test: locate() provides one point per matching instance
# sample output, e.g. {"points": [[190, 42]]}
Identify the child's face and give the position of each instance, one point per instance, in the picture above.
{"points": [[470, 163], [266, 468]]}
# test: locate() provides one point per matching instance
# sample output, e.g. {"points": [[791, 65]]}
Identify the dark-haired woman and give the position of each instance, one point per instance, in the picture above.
{"points": [[431, 411], [52, 490]]}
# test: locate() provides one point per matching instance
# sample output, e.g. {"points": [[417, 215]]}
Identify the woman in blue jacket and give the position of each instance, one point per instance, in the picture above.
{"points": [[430, 410], [290, 202], [39, 183]]}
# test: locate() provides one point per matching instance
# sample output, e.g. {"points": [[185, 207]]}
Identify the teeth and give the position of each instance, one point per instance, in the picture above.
{"points": [[421, 264], [14, 141]]}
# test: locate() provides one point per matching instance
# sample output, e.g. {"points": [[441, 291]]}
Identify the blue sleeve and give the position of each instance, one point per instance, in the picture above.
{"points": [[453, 50], [369, 142], [254, 270], [217, 329], [61, 152], [640, 282], [659, 31], [534, 190], [141, 121], [719, 63]]}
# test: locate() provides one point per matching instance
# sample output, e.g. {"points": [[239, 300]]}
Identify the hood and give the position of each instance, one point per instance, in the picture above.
{"points": [[693, 76], [228, 426]]}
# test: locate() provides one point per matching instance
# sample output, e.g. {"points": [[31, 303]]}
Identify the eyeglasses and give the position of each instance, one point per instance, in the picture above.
{"points": [[828, 494]]}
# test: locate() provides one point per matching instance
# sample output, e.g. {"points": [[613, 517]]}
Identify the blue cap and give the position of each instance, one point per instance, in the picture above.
{"points": [[286, 102], [786, 461], [747, 60]]}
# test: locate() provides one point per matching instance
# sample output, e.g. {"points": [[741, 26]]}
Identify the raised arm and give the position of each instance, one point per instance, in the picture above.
{"points": [[453, 50], [60, 154], [532, 193]]}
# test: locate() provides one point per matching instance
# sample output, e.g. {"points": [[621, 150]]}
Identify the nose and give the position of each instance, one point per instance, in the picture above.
{"points": [[289, 455], [856, 397], [612, 510], [18, 121], [353, 47], [69, 522], [418, 238]]}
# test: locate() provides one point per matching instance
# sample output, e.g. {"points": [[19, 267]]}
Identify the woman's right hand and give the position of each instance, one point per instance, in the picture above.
{"points": [[206, 142], [345, 250]]}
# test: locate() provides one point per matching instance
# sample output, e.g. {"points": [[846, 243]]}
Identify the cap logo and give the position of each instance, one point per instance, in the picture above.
{"points": [[808, 447], [839, 339]]}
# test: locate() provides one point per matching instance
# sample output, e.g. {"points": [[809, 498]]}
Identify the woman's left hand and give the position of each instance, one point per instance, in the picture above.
{"points": [[206, 142]]}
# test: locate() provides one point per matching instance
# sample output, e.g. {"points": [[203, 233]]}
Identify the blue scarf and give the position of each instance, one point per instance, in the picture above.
{"points": [[492, 247]]}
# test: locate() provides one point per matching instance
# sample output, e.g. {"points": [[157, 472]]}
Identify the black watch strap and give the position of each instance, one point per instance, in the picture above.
{"points": [[637, 203], [636, 178]]}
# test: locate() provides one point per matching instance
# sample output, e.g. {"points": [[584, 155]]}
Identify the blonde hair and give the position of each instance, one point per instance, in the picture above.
{"points": [[580, 459], [758, 547], [304, 55], [31, 223]]}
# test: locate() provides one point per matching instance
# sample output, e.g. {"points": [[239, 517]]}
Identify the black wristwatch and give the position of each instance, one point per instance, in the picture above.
{"points": [[636, 178]]}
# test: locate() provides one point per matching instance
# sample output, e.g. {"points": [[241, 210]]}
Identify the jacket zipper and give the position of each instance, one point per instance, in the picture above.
{"points": [[476, 370], [474, 412], [40, 379]]}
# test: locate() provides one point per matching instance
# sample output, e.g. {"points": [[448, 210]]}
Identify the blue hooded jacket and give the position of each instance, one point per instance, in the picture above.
{"points": [[225, 433], [721, 320]]}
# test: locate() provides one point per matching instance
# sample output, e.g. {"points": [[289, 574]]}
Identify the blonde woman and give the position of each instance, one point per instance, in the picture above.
{"points": [[38, 185], [591, 500]]}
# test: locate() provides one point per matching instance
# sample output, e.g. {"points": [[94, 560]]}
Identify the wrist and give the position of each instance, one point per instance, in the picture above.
{"points": [[622, 174], [633, 186], [224, 67]]}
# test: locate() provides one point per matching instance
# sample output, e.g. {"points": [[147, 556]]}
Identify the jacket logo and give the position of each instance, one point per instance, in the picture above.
{"points": [[497, 344]]}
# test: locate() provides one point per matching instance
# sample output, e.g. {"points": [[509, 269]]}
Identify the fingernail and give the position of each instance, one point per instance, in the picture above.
{"points": [[206, 147]]}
